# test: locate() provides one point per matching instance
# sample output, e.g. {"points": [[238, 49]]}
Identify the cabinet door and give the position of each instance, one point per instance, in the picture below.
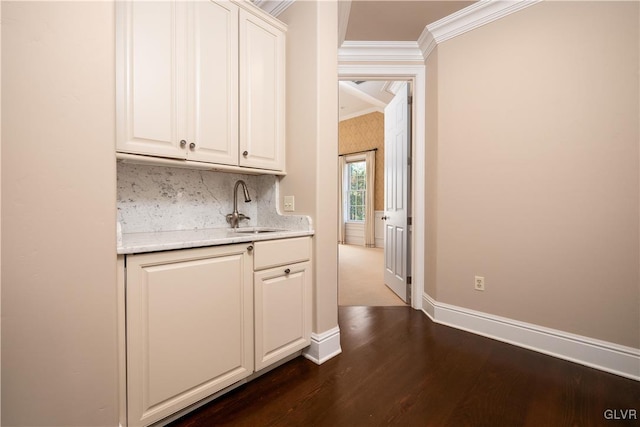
{"points": [[189, 327], [213, 82], [262, 49], [282, 312], [151, 70]]}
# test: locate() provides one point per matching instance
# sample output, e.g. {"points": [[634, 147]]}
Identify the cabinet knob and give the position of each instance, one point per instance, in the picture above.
{"points": [[192, 145], [245, 153], [384, 217], [250, 248], [287, 271], [183, 143]]}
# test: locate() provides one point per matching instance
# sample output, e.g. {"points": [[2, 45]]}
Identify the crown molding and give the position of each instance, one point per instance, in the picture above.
{"points": [[426, 43], [471, 17], [476, 15], [273, 7], [379, 51]]}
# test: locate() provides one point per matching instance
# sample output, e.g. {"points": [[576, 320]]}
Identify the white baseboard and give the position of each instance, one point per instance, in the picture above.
{"points": [[602, 355], [324, 346]]}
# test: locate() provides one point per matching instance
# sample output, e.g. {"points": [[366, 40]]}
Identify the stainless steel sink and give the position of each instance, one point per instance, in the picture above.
{"points": [[256, 230]]}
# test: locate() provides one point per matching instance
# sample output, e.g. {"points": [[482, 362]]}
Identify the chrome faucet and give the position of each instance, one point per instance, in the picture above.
{"points": [[235, 217]]}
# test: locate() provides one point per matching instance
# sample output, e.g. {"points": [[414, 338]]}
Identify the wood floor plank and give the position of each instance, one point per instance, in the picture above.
{"points": [[399, 368]]}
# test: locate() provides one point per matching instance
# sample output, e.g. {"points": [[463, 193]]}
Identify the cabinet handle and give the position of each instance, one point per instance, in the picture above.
{"points": [[287, 271], [384, 217], [245, 153], [192, 145], [250, 248], [183, 143]]}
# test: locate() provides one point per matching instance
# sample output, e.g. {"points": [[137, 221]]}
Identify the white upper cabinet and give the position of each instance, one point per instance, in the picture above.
{"points": [[261, 94], [213, 82], [150, 106], [200, 81]]}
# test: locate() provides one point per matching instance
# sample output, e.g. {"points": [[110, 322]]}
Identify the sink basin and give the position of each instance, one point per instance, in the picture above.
{"points": [[256, 230]]}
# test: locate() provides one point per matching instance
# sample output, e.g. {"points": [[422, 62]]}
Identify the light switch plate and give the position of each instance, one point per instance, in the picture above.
{"points": [[289, 204]]}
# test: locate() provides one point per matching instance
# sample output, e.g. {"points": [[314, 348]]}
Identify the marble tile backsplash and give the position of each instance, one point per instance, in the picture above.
{"points": [[159, 198]]}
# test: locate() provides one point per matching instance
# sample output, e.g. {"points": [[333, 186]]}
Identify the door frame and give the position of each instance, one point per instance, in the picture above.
{"points": [[416, 74]]}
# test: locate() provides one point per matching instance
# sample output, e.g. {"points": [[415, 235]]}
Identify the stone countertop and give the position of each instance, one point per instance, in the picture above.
{"points": [[133, 243]]}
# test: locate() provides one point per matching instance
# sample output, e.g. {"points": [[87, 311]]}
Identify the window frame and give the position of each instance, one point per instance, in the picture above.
{"points": [[346, 187]]}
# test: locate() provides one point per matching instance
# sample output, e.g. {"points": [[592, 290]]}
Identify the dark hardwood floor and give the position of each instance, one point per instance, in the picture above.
{"points": [[397, 367]]}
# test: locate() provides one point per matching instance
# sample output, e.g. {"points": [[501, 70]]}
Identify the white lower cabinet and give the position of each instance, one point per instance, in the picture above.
{"points": [[282, 318], [282, 299], [200, 320], [189, 327], [282, 311]]}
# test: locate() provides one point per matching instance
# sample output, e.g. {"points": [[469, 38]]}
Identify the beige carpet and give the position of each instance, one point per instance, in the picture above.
{"points": [[361, 277]]}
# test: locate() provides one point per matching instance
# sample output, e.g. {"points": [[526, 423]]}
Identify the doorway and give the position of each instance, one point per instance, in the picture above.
{"points": [[373, 270], [416, 74]]}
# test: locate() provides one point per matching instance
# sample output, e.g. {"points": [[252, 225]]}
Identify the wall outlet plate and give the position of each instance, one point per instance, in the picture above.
{"points": [[479, 283], [289, 204]]}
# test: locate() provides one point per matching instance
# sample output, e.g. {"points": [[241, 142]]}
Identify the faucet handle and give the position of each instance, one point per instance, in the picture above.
{"points": [[242, 216]]}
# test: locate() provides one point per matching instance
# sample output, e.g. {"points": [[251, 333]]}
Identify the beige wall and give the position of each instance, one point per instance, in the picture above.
{"points": [[312, 140], [0, 214], [431, 175], [365, 133], [538, 169], [59, 349]]}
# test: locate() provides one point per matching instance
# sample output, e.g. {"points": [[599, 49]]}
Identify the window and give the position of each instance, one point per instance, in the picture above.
{"points": [[356, 190]]}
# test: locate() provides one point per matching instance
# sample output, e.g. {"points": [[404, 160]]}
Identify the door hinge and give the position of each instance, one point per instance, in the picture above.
{"points": [[409, 220], [408, 280], [410, 100]]}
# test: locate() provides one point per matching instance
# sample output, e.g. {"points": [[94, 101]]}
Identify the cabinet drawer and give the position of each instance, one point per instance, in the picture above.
{"points": [[272, 253]]}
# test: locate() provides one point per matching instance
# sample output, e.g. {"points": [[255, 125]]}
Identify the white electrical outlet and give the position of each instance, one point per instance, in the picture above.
{"points": [[289, 204], [479, 283]]}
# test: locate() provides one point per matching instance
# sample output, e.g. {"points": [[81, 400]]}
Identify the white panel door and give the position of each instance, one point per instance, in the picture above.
{"points": [[262, 63], [213, 82], [189, 327], [151, 100], [397, 243]]}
